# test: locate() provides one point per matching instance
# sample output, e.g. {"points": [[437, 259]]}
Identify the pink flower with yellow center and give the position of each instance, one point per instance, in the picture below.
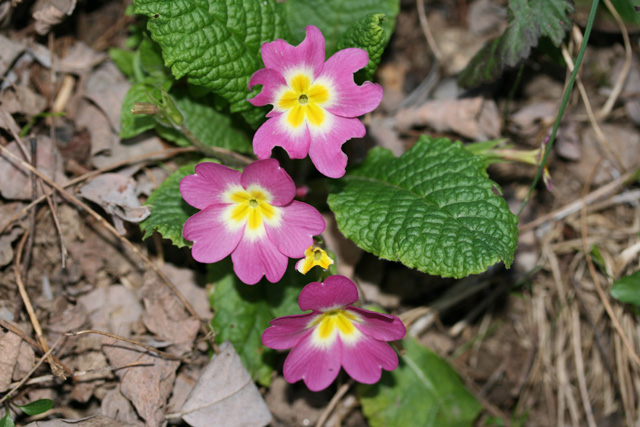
{"points": [[250, 215], [315, 103], [335, 334]]}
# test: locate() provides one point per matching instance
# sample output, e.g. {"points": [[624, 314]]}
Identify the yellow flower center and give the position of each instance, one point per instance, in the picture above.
{"points": [[304, 100], [338, 319], [253, 206], [314, 256]]}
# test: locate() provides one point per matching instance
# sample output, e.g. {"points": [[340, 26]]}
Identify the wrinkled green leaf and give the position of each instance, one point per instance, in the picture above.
{"points": [[368, 34], [335, 17], [169, 211], [529, 20], [433, 209], [423, 391], [243, 312], [215, 43], [627, 289], [7, 421], [37, 406]]}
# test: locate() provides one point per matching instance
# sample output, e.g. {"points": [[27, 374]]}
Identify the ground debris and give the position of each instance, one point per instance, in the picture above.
{"points": [[225, 395]]}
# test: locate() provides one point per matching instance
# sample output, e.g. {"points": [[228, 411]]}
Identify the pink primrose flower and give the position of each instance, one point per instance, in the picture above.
{"points": [[250, 215], [315, 103], [334, 334]]}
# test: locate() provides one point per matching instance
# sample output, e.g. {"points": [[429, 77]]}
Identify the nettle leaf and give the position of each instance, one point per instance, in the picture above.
{"points": [[423, 391], [627, 289], [335, 17], [529, 20], [215, 43], [210, 126], [243, 312], [433, 209], [169, 211], [368, 34]]}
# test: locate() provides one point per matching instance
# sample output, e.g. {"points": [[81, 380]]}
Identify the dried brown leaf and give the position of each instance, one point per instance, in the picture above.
{"points": [[148, 384], [225, 395], [81, 58], [6, 247], [21, 99], [25, 361], [9, 351], [11, 50], [474, 118], [113, 309], [166, 317], [91, 118], [116, 406], [15, 183], [48, 13], [106, 87], [117, 196], [185, 281]]}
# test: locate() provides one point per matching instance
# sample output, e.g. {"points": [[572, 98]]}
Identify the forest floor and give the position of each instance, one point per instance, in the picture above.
{"points": [[540, 344]]}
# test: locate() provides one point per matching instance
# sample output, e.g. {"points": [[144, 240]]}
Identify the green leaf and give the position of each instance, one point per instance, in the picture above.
{"points": [[211, 127], [123, 59], [368, 34], [627, 11], [7, 421], [132, 125], [433, 209], [151, 59], [423, 391], [528, 21], [243, 312], [215, 43], [627, 289], [37, 406], [169, 211], [335, 17]]}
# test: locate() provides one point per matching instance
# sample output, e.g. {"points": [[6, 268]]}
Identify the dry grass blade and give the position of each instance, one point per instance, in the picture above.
{"points": [[626, 67], [596, 280], [333, 403]]}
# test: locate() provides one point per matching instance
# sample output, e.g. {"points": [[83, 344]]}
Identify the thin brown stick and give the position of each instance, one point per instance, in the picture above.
{"points": [[144, 157], [116, 337], [594, 274], [575, 206], [36, 366], [626, 67], [57, 369], [424, 24], [577, 352], [113, 231], [590, 114], [333, 403]]}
